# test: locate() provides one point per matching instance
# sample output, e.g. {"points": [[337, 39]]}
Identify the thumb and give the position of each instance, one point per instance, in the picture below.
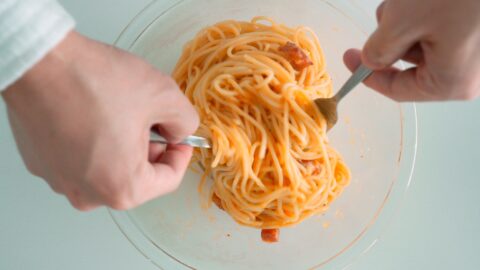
{"points": [[399, 85], [175, 117]]}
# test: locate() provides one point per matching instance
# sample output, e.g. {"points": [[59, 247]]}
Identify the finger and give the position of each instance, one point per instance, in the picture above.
{"points": [[84, 207], [80, 202], [165, 176], [177, 118], [394, 83], [379, 12], [56, 187], [183, 124], [391, 40], [383, 48], [155, 151], [404, 85], [378, 80], [352, 59]]}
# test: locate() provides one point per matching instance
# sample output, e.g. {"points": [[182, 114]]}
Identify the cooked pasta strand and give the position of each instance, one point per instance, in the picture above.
{"points": [[271, 164]]}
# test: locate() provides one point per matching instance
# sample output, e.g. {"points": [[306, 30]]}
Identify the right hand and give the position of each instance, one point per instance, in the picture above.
{"points": [[82, 118], [440, 37]]}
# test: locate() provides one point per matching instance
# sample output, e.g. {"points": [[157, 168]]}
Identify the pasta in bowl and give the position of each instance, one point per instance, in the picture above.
{"points": [[253, 85], [375, 139]]}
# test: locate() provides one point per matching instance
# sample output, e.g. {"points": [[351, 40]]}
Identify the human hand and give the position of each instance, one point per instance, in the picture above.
{"points": [[440, 37], [82, 118]]}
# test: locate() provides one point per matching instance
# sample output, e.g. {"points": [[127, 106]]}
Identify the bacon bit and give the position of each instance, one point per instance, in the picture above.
{"points": [[270, 235], [295, 55], [216, 200]]}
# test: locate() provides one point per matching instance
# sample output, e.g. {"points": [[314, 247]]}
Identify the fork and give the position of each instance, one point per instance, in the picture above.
{"points": [[194, 141], [328, 106]]}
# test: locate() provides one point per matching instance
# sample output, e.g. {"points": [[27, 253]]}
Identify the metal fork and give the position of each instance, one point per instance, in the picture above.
{"points": [[194, 141], [328, 106]]}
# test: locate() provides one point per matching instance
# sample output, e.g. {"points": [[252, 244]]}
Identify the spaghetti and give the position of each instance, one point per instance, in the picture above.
{"points": [[252, 84]]}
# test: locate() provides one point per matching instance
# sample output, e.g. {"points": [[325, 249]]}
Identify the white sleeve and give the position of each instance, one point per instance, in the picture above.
{"points": [[28, 30]]}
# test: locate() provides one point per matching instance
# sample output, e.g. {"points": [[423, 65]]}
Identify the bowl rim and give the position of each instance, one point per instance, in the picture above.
{"points": [[360, 245]]}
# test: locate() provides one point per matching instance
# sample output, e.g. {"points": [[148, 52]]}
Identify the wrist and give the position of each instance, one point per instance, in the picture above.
{"points": [[45, 73]]}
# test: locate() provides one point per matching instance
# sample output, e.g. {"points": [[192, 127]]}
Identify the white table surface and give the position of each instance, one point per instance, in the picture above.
{"points": [[437, 227]]}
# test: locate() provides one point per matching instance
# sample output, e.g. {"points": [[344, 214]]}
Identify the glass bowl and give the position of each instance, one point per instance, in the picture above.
{"points": [[377, 138]]}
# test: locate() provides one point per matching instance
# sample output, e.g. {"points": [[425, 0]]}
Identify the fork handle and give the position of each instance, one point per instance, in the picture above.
{"points": [[360, 74], [193, 141]]}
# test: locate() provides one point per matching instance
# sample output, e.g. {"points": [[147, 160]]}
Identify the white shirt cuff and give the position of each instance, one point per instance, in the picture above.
{"points": [[28, 30]]}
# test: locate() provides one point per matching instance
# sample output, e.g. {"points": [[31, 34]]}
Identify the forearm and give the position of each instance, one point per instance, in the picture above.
{"points": [[29, 29]]}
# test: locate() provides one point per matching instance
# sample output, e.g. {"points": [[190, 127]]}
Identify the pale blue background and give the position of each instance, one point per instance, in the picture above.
{"points": [[436, 228]]}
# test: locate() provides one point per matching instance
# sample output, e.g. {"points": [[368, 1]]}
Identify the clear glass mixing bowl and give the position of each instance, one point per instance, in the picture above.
{"points": [[376, 136]]}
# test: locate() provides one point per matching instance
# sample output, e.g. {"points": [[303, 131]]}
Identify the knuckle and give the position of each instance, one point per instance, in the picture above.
{"points": [[375, 55], [113, 186], [77, 202], [57, 188], [120, 202], [118, 198], [82, 207], [470, 89], [61, 185], [32, 169]]}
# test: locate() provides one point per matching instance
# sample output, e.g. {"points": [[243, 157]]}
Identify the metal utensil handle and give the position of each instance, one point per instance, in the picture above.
{"points": [[194, 141], [358, 76], [154, 137]]}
